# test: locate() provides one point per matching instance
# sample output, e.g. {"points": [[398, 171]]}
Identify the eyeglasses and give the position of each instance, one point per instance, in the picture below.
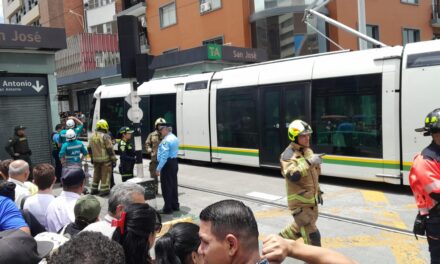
{"points": [[157, 227]]}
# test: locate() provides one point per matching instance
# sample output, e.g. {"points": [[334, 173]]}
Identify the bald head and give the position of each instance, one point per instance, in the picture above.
{"points": [[19, 170]]}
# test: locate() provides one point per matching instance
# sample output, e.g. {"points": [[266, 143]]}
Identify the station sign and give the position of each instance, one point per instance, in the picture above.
{"points": [[235, 54], [23, 86], [22, 37]]}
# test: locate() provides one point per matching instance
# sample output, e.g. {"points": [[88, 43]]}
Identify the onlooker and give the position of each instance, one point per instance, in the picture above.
{"points": [[86, 210], [179, 245], [10, 216], [136, 232], [19, 247], [228, 233], [276, 249], [19, 174], [89, 248], [44, 178], [121, 196], [7, 189], [4, 168], [56, 146], [61, 210]]}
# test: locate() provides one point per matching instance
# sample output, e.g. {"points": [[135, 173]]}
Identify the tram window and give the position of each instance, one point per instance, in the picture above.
{"points": [[112, 110], [237, 124], [347, 115], [423, 59], [196, 86], [164, 105]]}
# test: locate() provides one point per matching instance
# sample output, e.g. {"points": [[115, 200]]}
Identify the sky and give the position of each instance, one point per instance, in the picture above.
{"points": [[1, 11]]}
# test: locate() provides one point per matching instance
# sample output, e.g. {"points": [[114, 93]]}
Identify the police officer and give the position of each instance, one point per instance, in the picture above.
{"points": [[70, 153], [56, 147], [151, 145], [18, 147], [301, 169], [127, 154], [71, 123], [167, 168], [424, 178], [103, 158]]}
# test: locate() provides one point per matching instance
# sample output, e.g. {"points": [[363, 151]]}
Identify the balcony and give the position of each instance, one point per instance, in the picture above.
{"points": [[12, 7], [133, 8], [31, 16], [435, 22]]}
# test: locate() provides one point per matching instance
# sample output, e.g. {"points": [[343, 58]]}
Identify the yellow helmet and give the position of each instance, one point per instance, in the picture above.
{"points": [[159, 121], [298, 127], [102, 125]]}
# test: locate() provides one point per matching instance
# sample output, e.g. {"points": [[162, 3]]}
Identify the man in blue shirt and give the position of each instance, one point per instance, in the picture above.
{"points": [[56, 146], [71, 123], [10, 216], [167, 169], [70, 153]]}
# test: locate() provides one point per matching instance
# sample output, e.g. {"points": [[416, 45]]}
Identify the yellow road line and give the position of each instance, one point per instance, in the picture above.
{"points": [[374, 196]]}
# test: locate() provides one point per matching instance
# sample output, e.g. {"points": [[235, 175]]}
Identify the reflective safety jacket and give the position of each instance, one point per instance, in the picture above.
{"points": [[302, 179], [101, 147], [126, 151], [78, 129], [72, 150], [424, 178], [152, 144]]}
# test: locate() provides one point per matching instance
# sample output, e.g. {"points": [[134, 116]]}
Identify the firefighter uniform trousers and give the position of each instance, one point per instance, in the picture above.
{"points": [[304, 225], [168, 183], [102, 173], [151, 144]]}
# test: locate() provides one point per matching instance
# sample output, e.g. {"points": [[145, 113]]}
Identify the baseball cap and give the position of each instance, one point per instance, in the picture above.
{"points": [[20, 127], [19, 247], [125, 130], [72, 176], [87, 208]]}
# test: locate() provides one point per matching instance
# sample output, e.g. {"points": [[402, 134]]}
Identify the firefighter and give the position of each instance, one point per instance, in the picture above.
{"points": [[103, 158], [301, 169], [151, 145], [18, 147], [71, 123], [127, 154], [424, 178]]}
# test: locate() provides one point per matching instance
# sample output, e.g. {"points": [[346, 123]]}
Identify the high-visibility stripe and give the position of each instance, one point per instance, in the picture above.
{"points": [[435, 185], [301, 199], [304, 235], [74, 147], [222, 150]]}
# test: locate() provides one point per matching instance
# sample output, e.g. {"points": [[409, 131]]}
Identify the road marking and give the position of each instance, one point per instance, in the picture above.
{"points": [[374, 196], [264, 196]]}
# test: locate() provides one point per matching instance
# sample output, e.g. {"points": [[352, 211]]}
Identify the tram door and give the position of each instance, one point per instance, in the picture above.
{"points": [[281, 104]]}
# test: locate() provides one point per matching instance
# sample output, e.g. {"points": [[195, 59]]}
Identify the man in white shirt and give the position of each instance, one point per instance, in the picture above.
{"points": [[19, 174], [61, 210], [121, 196], [44, 178]]}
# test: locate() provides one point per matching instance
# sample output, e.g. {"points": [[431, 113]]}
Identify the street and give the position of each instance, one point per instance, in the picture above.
{"points": [[368, 222]]}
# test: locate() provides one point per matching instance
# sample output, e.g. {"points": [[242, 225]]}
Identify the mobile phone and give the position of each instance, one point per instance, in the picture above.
{"points": [[263, 261]]}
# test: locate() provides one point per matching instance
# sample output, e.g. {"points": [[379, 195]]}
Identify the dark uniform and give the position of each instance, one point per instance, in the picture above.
{"points": [[54, 139], [128, 159], [18, 148]]}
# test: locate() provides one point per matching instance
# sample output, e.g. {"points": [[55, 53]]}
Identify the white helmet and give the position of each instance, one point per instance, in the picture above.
{"points": [[70, 135], [70, 124]]}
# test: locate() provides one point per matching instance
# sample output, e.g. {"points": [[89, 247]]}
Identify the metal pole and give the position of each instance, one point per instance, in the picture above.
{"points": [[344, 27], [137, 129], [362, 24]]}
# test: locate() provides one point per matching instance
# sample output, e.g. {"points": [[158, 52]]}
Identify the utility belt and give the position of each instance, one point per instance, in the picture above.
{"points": [[421, 220]]}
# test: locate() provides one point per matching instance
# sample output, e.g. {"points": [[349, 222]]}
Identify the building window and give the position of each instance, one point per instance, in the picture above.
{"points": [[168, 15], [347, 115], [99, 3], [217, 40], [209, 5], [373, 32], [414, 2], [410, 35], [237, 131]]}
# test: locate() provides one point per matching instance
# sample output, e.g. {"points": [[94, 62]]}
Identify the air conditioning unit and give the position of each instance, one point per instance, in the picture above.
{"points": [[205, 7]]}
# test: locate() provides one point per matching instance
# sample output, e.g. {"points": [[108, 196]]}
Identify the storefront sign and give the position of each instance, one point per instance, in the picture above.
{"points": [[19, 37], [243, 54], [23, 86]]}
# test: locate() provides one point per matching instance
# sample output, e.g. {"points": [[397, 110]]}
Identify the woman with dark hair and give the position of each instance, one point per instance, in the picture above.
{"points": [[136, 231], [179, 245]]}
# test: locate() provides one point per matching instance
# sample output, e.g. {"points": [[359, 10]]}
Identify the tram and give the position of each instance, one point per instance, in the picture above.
{"points": [[363, 107]]}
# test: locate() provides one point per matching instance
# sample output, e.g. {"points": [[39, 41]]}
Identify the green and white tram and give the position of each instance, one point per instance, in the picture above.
{"points": [[363, 107]]}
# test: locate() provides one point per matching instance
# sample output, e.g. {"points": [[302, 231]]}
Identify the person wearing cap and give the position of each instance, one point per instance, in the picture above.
{"points": [[71, 150], [71, 123], [18, 146], [56, 147], [127, 154], [86, 210], [60, 211], [151, 146], [18, 247], [167, 168], [424, 179]]}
